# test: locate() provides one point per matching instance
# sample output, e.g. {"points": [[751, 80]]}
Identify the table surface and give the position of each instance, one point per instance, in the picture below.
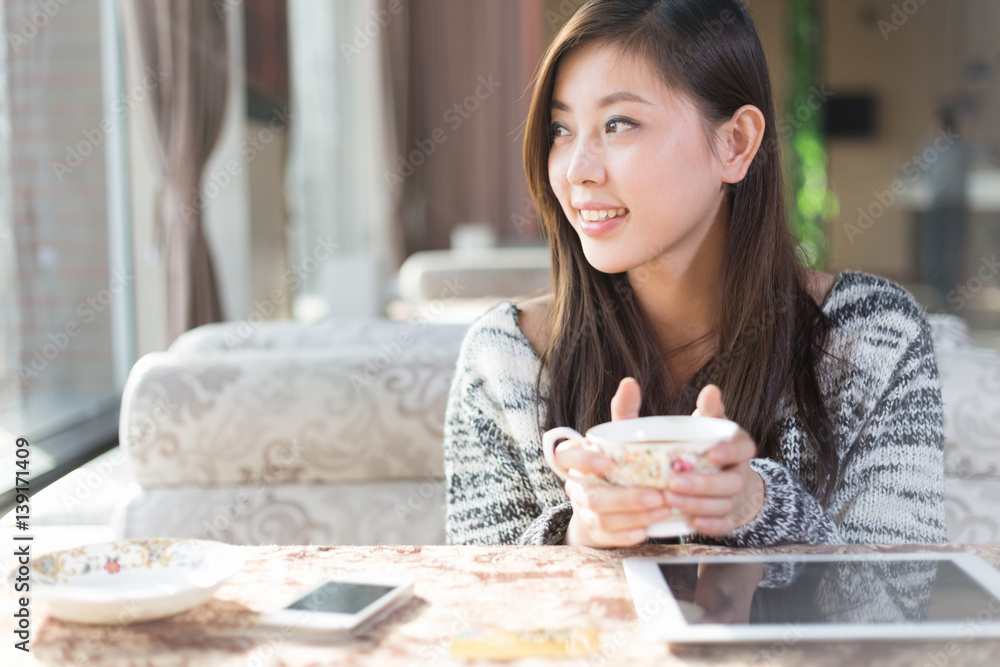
{"points": [[458, 589]]}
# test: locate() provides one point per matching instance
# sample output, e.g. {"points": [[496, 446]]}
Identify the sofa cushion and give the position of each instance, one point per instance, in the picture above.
{"points": [[387, 512], [365, 411]]}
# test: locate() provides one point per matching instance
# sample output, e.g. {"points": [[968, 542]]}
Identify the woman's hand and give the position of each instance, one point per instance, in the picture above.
{"points": [[609, 516], [719, 503]]}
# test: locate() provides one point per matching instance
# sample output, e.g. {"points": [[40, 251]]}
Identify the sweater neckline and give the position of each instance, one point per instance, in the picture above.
{"points": [[514, 311]]}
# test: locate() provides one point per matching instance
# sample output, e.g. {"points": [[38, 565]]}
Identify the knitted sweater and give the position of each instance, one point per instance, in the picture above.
{"points": [[885, 409]]}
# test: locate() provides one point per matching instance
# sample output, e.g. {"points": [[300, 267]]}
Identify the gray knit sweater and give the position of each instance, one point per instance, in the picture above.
{"points": [[885, 408]]}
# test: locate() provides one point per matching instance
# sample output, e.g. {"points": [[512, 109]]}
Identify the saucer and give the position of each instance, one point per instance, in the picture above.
{"points": [[131, 581]]}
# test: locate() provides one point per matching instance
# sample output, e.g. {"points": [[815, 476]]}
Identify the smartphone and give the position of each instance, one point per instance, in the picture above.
{"points": [[341, 607]]}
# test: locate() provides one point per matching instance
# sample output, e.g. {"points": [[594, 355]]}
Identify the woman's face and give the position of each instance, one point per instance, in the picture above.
{"points": [[623, 140]]}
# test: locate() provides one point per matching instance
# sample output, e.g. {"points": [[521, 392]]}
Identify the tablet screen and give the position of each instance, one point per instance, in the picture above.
{"points": [[826, 591]]}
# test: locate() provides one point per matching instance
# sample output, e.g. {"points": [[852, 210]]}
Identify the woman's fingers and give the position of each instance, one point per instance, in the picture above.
{"points": [[695, 506], [581, 535], [733, 452], [709, 403], [627, 400], [621, 523], [714, 526], [616, 516], [614, 499], [570, 455], [591, 507], [724, 483]]}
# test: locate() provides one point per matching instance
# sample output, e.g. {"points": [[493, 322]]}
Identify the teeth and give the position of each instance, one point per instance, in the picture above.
{"points": [[594, 216]]}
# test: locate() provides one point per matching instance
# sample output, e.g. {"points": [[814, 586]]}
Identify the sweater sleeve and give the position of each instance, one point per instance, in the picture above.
{"points": [[892, 471], [491, 497]]}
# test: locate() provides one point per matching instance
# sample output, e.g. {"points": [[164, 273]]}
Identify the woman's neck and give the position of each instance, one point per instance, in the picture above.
{"points": [[677, 292]]}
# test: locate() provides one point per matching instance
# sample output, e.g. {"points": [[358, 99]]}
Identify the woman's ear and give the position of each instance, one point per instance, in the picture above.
{"points": [[741, 135]]}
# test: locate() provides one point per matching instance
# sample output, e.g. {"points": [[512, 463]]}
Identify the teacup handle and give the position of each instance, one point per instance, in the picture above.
{"points": [[553, 436]]}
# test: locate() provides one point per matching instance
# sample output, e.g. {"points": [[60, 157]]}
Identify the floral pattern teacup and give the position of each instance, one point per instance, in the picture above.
{"points": [[646, 451]]}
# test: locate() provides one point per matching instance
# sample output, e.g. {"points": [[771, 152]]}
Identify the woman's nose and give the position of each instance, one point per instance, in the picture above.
{"points": [[585, 166]]}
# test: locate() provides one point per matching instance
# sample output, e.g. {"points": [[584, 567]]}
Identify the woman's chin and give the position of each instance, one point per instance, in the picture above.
{"points": [[606, 264]]}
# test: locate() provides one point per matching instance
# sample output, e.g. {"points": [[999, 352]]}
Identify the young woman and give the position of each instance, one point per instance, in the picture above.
{"points": [[652, 154]]}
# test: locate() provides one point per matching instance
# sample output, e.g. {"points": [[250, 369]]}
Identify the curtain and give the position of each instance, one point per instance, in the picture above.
{"points": [[469, 75], [183, 42]]}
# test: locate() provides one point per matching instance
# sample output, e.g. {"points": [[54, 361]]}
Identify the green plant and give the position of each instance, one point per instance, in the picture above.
{"points": [[813, 204]]}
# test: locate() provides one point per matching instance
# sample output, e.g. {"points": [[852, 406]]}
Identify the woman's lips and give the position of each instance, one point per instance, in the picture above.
{"points": [[601, 227]]}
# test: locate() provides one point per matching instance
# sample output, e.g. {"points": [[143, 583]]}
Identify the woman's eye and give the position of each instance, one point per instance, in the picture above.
{"points": [[616, 125], [555, 129]]}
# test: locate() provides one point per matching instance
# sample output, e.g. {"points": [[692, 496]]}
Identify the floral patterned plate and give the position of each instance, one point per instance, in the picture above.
{"points": [[132, 580]]}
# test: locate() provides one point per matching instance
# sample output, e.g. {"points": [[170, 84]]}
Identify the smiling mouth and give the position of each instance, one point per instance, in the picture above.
{"points": [[602, 226], [593, 215]]}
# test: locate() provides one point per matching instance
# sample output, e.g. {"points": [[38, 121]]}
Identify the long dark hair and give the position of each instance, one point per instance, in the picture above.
{"points": [[770, 331]]}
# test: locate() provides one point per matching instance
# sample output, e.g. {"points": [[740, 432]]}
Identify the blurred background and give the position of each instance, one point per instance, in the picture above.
{"points": [[170, 163]]}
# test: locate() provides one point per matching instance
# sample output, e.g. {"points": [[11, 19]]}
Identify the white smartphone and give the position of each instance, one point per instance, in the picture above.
{"points": [[343, 606]]}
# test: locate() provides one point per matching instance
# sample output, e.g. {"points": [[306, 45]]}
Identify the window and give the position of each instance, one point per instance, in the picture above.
{"points": [[65, 287]]}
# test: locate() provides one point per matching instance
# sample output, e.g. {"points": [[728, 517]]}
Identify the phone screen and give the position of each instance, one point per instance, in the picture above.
{"points": [[340, 597]]}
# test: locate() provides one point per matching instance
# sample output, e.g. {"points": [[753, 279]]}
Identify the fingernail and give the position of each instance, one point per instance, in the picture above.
{"points": [[601, 464], [638, 534]]}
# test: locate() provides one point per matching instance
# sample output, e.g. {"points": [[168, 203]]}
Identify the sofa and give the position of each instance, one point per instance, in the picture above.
{"points": [[330, 433]]}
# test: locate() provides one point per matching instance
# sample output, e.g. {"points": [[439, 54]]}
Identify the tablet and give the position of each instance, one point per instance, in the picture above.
{"points": [[791, 598]]}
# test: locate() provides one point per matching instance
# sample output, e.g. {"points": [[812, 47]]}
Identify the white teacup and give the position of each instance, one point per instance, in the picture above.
{"points": [[647, 451]]}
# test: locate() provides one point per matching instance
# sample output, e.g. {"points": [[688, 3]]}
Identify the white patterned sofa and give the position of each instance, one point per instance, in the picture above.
{"points": [[291, 434], [331, 433], [970, 388]]}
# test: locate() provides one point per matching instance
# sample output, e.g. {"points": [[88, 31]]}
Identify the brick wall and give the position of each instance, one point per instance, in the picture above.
{"points": [[58, 204]]}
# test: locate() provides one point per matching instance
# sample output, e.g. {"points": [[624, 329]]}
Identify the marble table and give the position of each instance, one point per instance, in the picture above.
{"points": [[458, 589]]}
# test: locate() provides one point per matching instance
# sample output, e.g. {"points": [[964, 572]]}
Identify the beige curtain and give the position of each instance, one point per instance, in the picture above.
{"points": [[184, 41]]}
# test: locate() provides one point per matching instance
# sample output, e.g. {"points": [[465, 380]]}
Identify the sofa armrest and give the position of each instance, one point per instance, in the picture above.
{"points": [[350, 413]]}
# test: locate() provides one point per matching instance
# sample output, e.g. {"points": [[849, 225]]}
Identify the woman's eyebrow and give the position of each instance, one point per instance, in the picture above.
{"points": [[606, 101]]}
